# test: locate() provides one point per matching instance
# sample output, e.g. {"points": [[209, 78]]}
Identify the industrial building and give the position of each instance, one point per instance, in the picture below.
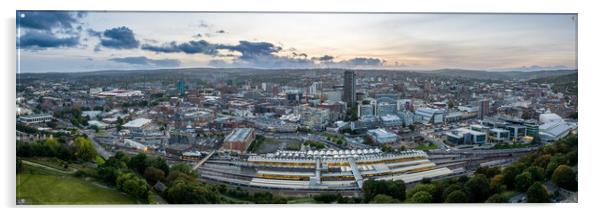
{"points": [[238, 140]]}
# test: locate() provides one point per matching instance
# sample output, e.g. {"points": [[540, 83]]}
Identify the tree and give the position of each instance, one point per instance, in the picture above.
{"points": [[537, 193], [327, 197], [133, 185], [394, 189], [497, 183], [509, 174], [183, 168], [84, 149], [496, 198], [478, 188], [450, 189], [381, 198], [457, 196], [537, 173], [523, 181], [159, 163], [138, 163], [421, 197], [153, 175], [564, 177], [429, 188]]}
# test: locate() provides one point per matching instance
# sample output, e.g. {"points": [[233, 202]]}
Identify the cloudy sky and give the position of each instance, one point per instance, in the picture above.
{"points": [[87, 41]]}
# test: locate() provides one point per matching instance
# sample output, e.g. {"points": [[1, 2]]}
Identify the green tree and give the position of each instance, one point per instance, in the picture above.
{"points": [[381, 198], [457, 196], [497, 183], [133, 185], [327, 197], [509, 174], [523, 181], [421, 197], [537, 173], [477, 188], [429, 188], [450, 189], [537, 193], [496, 198], [138, 163], [564, 177], [159, 163], [183, 168], [153, 175], [84, 149]]}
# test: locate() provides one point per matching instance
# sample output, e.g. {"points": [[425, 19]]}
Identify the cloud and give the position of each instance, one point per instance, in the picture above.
{"points": [[362, 61], [48, 20], [48, 29], [141, 60], [119, 38], [257, 54], [250, 50], [323, 59], [44, 39], [191, 47]]}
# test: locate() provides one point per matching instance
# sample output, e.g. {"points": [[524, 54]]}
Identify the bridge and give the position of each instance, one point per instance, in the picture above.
{"points": [[202, 161]]}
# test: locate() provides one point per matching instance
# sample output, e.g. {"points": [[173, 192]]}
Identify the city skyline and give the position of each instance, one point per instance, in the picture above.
{"points": [[60, 41]]}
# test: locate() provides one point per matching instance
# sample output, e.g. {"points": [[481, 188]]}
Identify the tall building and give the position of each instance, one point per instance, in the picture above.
{"points": [[181, 87], [349, 95], [483, 109]]}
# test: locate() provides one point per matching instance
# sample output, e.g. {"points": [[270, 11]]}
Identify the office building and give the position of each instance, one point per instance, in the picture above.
{"points": [[381, 136], [349, 95]]}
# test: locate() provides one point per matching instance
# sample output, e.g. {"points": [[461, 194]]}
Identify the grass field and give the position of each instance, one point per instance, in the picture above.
{"points": [[40, 186]]}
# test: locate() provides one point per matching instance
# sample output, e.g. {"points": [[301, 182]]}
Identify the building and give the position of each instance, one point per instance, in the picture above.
{"points": [[517, 131], [554, 130], [239, 140], [391, 120], [381, 136], [429, 115], [35, 119], [483, 109], [386, 109], [181, 87], [137, 125], [365, 110], [464, 136], [499, 135], [349, 95]]}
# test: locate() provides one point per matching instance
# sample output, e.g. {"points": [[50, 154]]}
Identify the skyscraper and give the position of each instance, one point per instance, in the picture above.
{"points": [[349, 88], [483, 109], [181, 87]]}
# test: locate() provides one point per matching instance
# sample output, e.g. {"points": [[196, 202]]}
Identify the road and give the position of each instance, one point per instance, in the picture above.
{"points": [[101, 150], [47, 167]]}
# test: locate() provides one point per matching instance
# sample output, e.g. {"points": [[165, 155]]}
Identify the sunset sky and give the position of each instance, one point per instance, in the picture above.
{"points": [[87, 41]]}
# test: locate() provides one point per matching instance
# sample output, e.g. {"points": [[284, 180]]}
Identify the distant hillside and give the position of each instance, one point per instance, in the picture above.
{"points": [[508, 75], [563, 83]]}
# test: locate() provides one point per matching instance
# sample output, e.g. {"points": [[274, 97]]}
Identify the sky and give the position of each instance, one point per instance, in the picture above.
{"points": [[73, 41]]}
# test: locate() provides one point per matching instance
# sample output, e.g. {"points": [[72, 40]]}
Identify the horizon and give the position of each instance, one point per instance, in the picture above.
{"points": [[88, 41]]}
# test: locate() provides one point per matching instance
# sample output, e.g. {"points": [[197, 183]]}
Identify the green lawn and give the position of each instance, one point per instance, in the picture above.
{"points": [[39, 186]]}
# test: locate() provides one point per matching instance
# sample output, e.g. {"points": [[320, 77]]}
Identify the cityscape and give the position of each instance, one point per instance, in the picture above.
{"points": [[124, 116]]}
